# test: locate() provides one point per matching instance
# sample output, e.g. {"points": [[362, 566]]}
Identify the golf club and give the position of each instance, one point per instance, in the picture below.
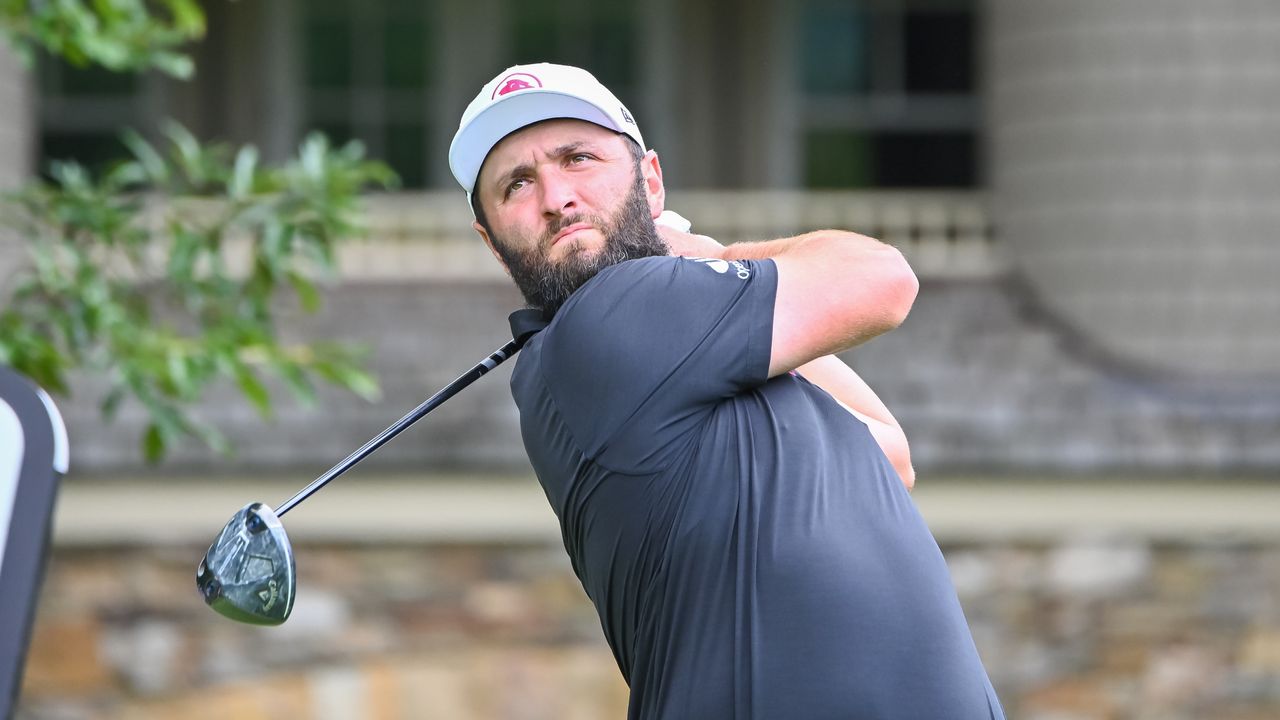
{"points": [[248, 573]]}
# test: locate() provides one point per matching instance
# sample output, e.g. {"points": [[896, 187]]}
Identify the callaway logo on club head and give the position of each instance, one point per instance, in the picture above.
{"points": [[722, 266], [268, 596]]}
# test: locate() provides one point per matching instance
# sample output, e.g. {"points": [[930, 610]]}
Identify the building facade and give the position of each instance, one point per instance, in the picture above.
{"points": [[1087, 188]]}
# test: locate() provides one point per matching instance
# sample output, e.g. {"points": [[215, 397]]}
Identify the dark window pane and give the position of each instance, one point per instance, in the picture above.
{"points": [[96, 151], [602, 41], [405, 52], [835, 49], [612, 47], [837, 159], [940, 52], [406, 154], [406, 8], [338, 133], [327, 8], [61, 78], [327, 53], [925, 159], [533, 34]]}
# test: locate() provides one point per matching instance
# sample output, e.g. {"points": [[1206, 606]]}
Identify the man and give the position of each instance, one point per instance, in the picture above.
{"points": [[733, 499]]}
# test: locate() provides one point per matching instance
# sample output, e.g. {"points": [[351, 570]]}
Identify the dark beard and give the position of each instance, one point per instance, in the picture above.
{"points": [[547, 285]]}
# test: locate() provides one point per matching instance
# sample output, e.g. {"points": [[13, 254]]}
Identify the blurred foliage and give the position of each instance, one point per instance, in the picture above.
{"points": [[120, 35], [160, 275]]}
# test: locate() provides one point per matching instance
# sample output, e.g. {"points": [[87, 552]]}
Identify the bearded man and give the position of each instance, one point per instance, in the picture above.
{"points": [[733, 498]]}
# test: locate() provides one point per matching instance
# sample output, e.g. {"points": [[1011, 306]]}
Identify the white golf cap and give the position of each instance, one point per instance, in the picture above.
{"points": [[525, 94]]}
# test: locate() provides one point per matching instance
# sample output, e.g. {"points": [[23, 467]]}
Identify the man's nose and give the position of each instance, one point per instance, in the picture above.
{"points": [[558, 194]]}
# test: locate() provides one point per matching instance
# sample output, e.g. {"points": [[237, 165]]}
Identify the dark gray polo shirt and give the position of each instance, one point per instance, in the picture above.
{"points": [[750, 550]]}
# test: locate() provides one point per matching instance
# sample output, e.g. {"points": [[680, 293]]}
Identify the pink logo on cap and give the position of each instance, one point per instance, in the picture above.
{"points": [[514, 82]]}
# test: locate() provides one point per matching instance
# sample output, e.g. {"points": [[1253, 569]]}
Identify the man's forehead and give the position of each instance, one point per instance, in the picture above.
{"points": [[546, 135]]}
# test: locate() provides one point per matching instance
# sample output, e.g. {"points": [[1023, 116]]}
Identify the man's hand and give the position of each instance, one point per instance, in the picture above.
{"points": [[686, 244]]}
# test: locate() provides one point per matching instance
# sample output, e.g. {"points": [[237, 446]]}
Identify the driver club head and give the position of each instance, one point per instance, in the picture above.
{"points": [[248, 573]]}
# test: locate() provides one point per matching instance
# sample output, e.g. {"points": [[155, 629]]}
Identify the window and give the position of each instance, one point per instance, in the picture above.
{"points": [[600, 37], [939, 48], [367, 70], [82, 112], [837, 49], [889, 93]]}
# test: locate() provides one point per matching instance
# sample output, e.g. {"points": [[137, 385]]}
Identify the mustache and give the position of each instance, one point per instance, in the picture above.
{"points": [[565, 221]]}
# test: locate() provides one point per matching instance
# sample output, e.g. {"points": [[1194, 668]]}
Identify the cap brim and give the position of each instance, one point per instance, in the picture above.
{"points": [[472, 145]]}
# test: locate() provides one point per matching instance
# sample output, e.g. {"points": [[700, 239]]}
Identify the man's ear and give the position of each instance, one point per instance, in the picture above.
{"points": [[488, 241], [655, 192]]}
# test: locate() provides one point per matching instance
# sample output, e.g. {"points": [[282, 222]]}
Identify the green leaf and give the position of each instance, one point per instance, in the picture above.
{"points": [[189, 154], [153, 443], [303, 391], [173, 64], [351, 378], [179, 372], [125, 174], [308, 295], [242, 177], [188, 17], [314, 149], [362, 384], [111, 403], [254, 390], [85, 299], [182, 257], [147, 155]]}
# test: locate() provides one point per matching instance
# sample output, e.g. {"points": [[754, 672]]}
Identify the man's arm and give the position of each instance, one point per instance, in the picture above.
{"points": [[894, 295], [835, 289]]}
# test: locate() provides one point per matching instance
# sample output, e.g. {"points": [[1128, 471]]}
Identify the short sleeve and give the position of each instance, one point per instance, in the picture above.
{"points": [[649, 346]]}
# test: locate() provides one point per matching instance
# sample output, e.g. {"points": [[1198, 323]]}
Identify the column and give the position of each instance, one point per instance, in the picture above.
{"points": [[1136, 174]]}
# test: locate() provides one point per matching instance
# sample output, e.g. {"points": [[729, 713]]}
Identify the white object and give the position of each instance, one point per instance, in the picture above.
{"points": [[11, 447], [13, 451], [525, 94], [673, 220]]}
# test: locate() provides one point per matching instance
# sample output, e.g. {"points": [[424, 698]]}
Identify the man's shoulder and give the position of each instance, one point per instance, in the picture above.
{"points": [[660, 274], [609, 286], [628, 272]]}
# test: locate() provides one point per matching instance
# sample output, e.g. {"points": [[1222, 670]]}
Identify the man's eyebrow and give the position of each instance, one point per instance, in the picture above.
{"points": [[525, 169], [570, 148], [521, 170]]}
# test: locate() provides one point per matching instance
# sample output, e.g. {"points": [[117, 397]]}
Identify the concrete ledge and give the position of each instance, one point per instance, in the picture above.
{"points": [[457, 509], [351, 509]]}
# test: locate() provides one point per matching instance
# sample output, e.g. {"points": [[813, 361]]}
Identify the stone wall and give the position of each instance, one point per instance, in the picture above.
{"points": [[984, 374], [1113, 627], [977, 378]]}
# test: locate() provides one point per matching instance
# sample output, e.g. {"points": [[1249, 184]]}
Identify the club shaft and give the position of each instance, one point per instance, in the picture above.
{"points": [[431, 403]]}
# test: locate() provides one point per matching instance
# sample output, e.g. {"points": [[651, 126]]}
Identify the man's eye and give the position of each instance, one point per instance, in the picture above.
{"points": [[579, 158], [515, 185]]}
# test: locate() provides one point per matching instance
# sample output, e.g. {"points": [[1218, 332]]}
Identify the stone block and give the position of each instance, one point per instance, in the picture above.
{"points": [[1260, 652], [1077, 698], [65, 658], [264, 698], [150, 656]]}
